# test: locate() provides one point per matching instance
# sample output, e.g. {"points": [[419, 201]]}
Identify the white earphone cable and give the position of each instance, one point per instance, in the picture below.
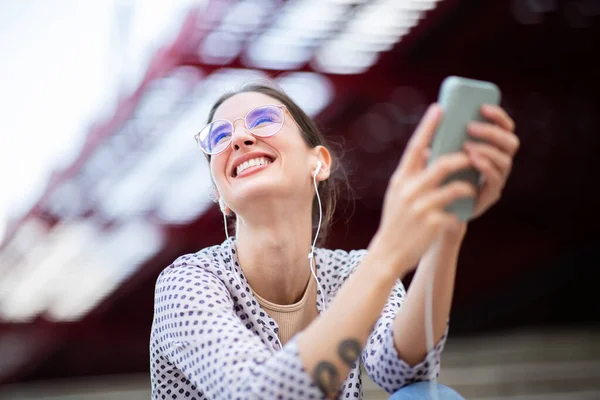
{"points": [[429, 333], [230, 246], [312, 252]]}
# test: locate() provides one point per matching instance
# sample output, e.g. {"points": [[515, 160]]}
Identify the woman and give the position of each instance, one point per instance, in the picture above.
{"points": [[248, 319]]}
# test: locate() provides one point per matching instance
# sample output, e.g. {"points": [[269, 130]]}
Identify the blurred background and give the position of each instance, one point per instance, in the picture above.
{"points": [[103, 185]]}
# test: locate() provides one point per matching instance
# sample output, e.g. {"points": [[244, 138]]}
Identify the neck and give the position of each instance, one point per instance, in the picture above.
{"points": [[273, 254]]}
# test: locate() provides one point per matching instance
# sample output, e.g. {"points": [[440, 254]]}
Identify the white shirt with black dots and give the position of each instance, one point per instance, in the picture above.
{"points": [[209, 338]]}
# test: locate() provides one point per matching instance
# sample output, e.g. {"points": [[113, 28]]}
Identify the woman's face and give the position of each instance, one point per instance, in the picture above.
{"points": [[289, 160]]}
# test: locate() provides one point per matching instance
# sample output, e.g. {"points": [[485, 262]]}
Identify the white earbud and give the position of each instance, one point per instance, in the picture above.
{"points": [[222, 205], [318, 168]]}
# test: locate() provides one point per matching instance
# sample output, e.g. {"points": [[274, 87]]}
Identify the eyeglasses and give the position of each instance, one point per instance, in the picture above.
{"points": [[263, 121]]}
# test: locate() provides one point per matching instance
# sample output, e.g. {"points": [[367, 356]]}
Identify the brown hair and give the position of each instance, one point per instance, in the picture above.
{"points": [[329, 189]]}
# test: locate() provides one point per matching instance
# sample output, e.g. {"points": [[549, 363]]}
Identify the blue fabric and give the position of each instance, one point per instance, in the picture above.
{"points": [[421, 391]]}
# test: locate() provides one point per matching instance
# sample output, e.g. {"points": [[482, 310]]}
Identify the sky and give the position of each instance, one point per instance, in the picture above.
{"points": [[64, 64]]}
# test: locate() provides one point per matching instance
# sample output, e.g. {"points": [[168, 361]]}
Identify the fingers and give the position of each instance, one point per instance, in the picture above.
{"points": [[497, 115], [495, 135], [443, 167], [426, 155], [439, 219], [421, 138], [493, 177], [442, 197], [501, 161]]}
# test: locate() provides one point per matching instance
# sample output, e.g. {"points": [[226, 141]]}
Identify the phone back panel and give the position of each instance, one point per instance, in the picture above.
{"points": [[461, 100]]}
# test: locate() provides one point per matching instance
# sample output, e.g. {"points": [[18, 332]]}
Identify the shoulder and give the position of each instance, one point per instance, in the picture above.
{"points": [[206, 264], [341, 256], [339, 262]]}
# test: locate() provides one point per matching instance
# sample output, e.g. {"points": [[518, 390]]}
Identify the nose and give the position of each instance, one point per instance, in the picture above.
{"points": [[241, 137]]}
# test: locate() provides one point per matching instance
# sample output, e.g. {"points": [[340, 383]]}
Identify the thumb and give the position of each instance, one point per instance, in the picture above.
{"points": [[426, 156], [413, 158]]}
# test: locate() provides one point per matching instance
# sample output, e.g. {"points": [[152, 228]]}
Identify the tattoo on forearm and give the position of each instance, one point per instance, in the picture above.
{"points": [[326, 375], [349, 351], [327, 378]]}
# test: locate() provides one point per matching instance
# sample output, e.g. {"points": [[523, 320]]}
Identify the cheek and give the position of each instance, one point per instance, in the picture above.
{"points": [[289, 143], [217, 169]]}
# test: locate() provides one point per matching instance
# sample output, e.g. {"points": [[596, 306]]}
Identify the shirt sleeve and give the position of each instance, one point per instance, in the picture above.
{"points": [[380, 358], [201, 334]]}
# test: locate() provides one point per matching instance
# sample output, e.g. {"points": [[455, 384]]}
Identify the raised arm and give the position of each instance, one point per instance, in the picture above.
{"points": [[413, 216], [492, 156], [439, 264]]}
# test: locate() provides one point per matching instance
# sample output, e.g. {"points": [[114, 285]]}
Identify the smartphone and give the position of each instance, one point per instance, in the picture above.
{"points": [[461, 100]]}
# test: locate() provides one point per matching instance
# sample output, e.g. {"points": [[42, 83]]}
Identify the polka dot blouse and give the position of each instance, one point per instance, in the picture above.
{"points": [[212, 340]]}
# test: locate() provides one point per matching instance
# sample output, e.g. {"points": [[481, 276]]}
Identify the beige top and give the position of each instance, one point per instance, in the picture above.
{"points": [[292, 318]]}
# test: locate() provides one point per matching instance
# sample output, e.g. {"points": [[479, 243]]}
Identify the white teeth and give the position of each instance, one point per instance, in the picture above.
{"points": [[252, 163]]}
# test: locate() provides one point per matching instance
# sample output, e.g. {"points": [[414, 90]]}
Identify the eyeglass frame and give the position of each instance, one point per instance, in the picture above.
{"points": [[197, 135]]}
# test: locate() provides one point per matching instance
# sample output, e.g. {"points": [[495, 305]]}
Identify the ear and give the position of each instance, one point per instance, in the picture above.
{"points": [[324, 156]]}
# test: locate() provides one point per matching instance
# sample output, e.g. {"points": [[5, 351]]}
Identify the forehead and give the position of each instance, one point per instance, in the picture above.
{"points": [[238, 105]]}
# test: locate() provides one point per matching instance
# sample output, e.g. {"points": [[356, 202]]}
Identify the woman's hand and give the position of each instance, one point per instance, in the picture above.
{"points": [[494, 156], [414, 205]]}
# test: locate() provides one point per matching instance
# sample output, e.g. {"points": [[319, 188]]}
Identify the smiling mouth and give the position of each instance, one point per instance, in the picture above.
{"points": [[251, 164]]}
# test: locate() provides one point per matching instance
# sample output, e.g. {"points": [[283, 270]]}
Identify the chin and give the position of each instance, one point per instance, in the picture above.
{"points": [[254, 188], [265, 188]]}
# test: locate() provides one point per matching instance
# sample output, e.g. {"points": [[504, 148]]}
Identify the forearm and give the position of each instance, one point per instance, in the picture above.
{"points": [[409, 325], [331, 344]]}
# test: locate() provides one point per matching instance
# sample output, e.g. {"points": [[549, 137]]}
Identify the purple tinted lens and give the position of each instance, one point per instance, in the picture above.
{"points": [[215, 137], [265, 121]]}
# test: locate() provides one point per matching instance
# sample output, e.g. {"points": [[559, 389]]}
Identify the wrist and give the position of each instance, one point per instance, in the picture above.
{"points": [[454, 234], [448, 243], [391, 262]]}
